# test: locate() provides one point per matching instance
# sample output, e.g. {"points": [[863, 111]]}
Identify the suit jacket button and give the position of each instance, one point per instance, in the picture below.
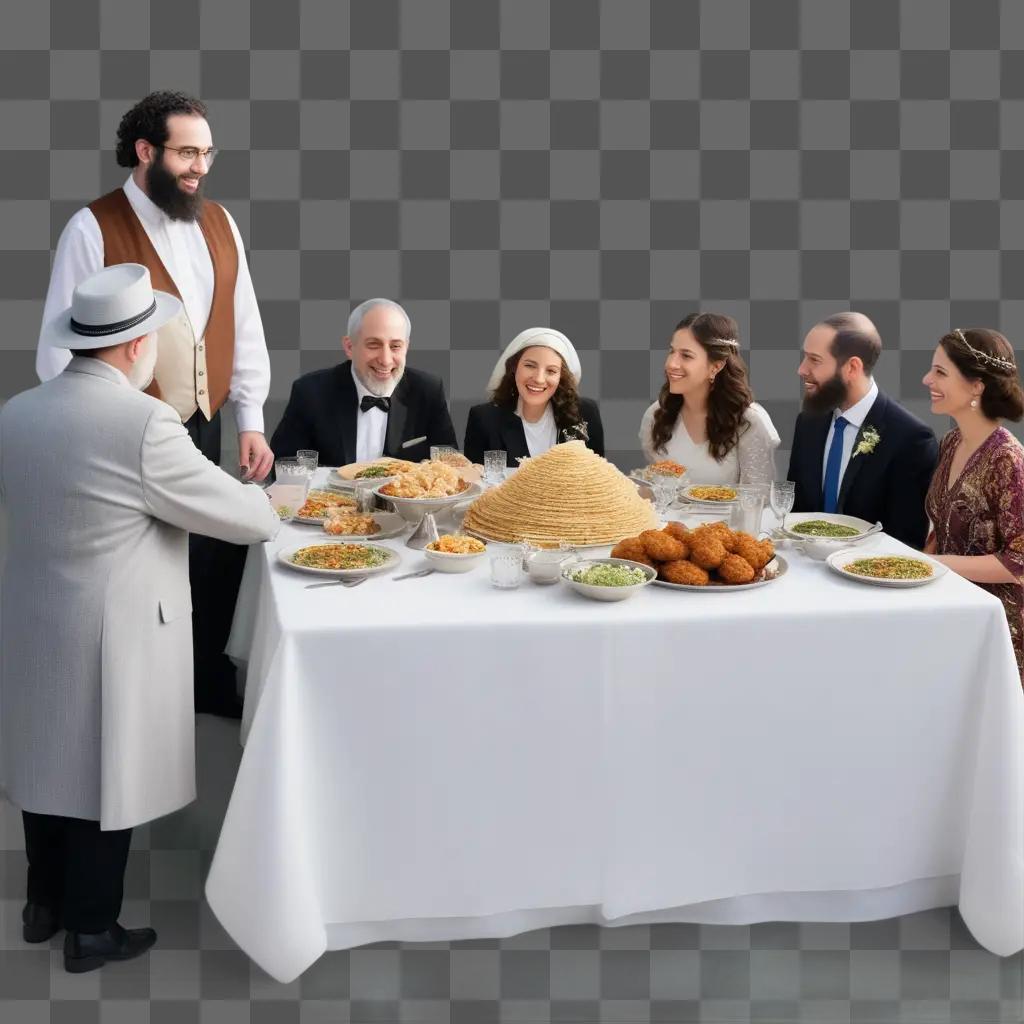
{"points": [[201, 373], [201, 391]]}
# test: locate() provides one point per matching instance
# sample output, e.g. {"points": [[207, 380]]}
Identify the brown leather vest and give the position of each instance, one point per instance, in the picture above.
{"points": [[125, 241]]}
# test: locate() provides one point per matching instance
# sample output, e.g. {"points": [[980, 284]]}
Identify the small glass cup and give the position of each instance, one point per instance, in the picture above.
{"points": [[506, 565], [291, 471], [366, 500], [748, 510], [494, 466], [437, 451], [308, 458]]}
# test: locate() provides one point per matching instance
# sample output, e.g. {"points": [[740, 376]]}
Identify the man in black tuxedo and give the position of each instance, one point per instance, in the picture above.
{"points": [[855, 450], [371, 405]]}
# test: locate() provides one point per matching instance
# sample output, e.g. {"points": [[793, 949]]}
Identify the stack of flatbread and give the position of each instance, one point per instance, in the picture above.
{"points": [[567, 494]]}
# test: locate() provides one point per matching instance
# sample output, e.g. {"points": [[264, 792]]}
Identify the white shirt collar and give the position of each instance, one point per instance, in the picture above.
{"points": [[146, 209], [856, 414], [546, 420]]}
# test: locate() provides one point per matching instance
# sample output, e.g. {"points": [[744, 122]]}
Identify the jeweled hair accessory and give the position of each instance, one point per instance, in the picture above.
{"points": [[1006, 365], [731, 342]]}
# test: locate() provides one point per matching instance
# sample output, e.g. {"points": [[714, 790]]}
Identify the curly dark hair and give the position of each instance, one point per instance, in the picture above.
{"points": [[148, 120], [981, 353], [565, 402], [730, 391]]}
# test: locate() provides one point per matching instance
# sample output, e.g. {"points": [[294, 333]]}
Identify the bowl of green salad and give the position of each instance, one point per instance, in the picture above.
{"points": [[832, 526], [607, 579]]}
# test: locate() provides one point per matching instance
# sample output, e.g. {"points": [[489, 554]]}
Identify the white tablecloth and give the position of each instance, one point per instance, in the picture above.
{"points": [[436, 759]]}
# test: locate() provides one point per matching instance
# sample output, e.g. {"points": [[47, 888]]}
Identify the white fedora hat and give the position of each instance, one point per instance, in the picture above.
{"points": [[114, 305]]}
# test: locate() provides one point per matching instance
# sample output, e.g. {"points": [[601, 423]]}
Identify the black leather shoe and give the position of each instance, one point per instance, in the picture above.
{"points": [[85, 952], [39, 923]]}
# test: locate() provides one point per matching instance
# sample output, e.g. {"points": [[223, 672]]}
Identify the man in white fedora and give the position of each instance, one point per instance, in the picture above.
{"points": [[102, 485]]}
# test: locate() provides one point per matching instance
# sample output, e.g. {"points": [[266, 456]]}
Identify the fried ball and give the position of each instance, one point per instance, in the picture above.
{"points": [[736, 570], [662, 547], [707, 551], [676, 529], [721, 530], [631, 548], [767, 550], [753, 551], [682, 571]]}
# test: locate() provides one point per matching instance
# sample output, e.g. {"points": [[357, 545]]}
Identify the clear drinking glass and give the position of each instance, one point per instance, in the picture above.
{"points": [[506, 565], [747, 512], [782, 496], [366, 500], [439, 450], [494, 466], [308, 458], [291, 471]]}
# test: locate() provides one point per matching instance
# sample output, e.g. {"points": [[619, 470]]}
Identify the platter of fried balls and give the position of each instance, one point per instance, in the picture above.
{"points": [[708, 556]]}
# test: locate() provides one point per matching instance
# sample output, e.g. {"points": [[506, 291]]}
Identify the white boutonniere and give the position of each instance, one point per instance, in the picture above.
{"points": [[868, 442]]}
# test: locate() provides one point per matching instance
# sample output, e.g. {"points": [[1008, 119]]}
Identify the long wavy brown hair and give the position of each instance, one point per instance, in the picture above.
{"points": [[730, 391], [565, 402]]}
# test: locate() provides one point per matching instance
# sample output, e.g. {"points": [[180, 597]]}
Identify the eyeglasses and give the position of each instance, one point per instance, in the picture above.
{"points": [[190, 154]]}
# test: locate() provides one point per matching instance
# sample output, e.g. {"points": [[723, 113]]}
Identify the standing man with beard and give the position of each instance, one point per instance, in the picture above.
{"points": [[212, 351], [855, 450], [371, 405]]}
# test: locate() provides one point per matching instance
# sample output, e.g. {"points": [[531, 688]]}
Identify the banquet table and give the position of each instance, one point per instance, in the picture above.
{"points": [[435, 759]]}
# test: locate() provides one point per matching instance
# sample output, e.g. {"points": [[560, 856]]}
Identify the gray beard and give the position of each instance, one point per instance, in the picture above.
{"points": [[379, 389]]}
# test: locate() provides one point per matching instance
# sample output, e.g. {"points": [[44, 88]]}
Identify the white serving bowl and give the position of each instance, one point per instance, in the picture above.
{"points": [[446, 561], [414, 509], [599, 593]]}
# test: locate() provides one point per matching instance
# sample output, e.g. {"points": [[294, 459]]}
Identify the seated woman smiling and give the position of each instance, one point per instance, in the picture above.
{"points": [[534, 402], [705, 417]]}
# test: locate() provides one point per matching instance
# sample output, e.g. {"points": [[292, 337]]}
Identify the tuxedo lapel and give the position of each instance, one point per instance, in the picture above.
{"points": [[397, 416], [345, 411], [873, 419]]}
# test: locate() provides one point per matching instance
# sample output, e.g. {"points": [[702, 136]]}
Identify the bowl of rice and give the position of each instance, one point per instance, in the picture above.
{"points": [[454, 552]]}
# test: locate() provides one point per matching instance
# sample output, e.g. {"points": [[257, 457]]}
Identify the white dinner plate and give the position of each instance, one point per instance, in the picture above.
{"points": [[774, 570], [839, 559], [285, 556], [686, 493]]}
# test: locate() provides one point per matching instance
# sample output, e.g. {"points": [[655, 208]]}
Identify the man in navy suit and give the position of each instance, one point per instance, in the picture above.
{"points": [[372, 404], [855, 450]]}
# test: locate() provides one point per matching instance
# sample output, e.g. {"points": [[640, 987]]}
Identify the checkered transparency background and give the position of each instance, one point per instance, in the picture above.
{"points": [[602, 166]]}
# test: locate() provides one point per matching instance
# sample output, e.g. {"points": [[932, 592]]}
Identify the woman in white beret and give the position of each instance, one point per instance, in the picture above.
{"points": [[534, 401]]}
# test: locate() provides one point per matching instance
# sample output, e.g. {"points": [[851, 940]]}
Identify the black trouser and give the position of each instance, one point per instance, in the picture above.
{"points": [[215, 573], [76, 870]]}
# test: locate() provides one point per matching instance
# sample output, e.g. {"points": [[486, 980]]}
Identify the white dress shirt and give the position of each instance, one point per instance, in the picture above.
{"points": [[183, 251], [854, 417], [371, 426], [543, 434]]}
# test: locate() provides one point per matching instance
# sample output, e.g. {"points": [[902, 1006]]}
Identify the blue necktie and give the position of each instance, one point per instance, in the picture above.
{"points": [[833, 464]]}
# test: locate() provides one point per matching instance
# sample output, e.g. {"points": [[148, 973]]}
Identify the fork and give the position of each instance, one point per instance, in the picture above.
{"points": [[337, 583], [413, 575]]}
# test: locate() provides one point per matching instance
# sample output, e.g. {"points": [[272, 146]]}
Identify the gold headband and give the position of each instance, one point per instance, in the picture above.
{"points": [[1006, 365]]}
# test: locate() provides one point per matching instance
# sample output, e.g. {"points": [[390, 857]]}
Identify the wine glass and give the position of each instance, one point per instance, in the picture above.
{"points": [[781, 498], [665, 487]]}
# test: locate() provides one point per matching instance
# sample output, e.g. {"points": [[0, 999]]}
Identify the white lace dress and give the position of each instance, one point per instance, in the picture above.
{"points": [[750, 461]]}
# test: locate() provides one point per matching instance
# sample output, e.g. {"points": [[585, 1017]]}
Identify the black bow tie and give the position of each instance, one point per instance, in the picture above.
{"points": [[369, 401]]}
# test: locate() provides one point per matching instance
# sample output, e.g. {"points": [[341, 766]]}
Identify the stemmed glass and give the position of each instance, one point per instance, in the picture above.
{"points": [[665, 487], [781, 498]]}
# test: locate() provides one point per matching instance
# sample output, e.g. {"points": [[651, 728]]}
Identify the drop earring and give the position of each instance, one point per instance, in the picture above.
{"points": [[974, 403]]}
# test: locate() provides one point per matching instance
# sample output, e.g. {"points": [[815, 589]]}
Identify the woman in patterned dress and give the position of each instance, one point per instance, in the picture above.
{"points": [[976, 499]]}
